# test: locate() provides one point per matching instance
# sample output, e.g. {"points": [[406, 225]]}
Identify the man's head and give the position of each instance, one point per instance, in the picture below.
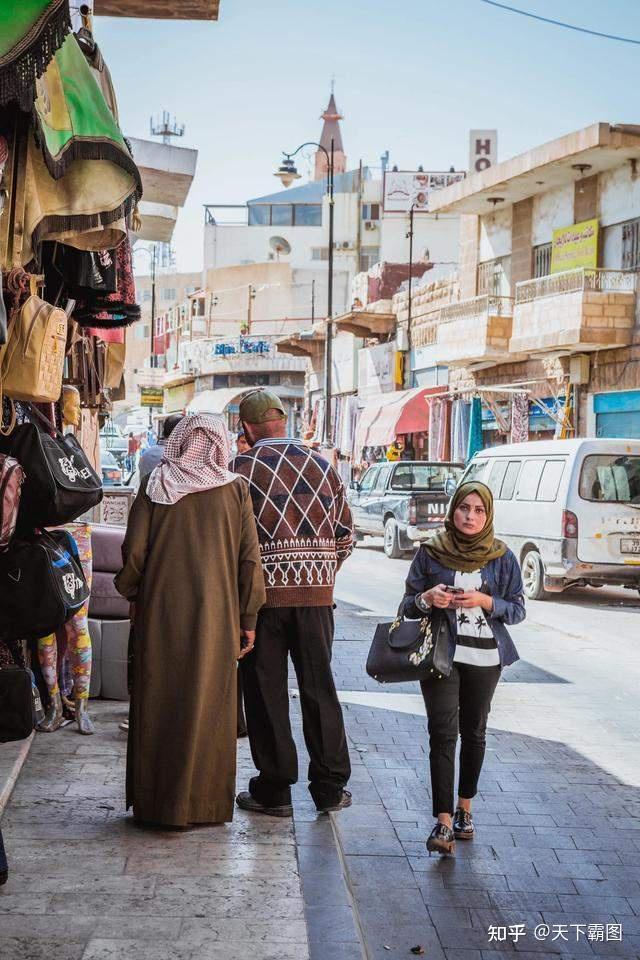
{"points": [[262, 415], [170, 423], [242, 444]]}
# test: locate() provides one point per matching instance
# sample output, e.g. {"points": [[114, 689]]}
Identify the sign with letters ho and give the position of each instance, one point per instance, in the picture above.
{"points": [[483, 150]]}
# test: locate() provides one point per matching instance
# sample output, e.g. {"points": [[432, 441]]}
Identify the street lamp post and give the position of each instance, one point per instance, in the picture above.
{"points": [[151, 251], [287, 173], [410, 237]]}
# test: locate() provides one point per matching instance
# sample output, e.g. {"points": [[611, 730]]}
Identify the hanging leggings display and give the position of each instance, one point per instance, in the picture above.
{"points": [[78, 641]]}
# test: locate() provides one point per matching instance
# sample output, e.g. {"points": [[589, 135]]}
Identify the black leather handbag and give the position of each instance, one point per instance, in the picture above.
{"points": [[407, 650], [60, 483], [42, 585], [16, 704]]}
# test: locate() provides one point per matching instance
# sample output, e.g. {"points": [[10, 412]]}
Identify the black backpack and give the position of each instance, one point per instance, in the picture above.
{"points": [[42, 585], [60, 483]]}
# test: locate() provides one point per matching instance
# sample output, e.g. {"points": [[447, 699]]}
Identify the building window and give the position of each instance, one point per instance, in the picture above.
{"points": [[494, 278], [631, 245], [319, 253], [370, 211], [307, 214], [542, 260], [368, 256], [168, 293], [259, 214], [146, 295], [142, 331], [282, 215]]}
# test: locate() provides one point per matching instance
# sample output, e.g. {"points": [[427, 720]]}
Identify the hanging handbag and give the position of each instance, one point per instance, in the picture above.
{"points": [[407, 650], [60, 482], [33, 357], [42, 585], [11, 480], [17, 718]]}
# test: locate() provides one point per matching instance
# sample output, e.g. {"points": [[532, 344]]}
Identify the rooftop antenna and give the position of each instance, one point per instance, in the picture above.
{"points": [[165, 127]]}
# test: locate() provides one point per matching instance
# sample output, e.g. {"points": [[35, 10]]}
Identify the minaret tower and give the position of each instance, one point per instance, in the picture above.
{"points": [[331, 128]]}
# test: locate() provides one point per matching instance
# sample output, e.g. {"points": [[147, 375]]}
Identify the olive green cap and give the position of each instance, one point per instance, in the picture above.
{"points": [[254, 406]]}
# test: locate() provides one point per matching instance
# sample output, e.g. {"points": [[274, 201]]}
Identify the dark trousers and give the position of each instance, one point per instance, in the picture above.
{"points": [[3, 857], [306, 633], [459, 703]]}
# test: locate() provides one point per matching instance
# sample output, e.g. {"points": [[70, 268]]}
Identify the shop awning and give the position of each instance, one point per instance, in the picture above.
{"points": [[217, 401], [366, 323], [383, 419]]}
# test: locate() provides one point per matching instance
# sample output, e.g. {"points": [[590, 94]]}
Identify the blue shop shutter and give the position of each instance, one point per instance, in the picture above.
{"points": [[618, 414]]}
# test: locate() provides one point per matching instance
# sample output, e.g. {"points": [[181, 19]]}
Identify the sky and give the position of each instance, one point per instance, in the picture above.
{"points": [[411, 76]]}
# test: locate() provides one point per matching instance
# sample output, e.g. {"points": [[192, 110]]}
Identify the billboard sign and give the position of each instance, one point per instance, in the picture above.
{"points": [[483, 150], [575, 246], [404, 188], [151, 397]]}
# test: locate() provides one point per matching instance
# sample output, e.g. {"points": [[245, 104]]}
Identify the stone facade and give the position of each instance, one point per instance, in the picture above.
{"points": [[578, 321]]}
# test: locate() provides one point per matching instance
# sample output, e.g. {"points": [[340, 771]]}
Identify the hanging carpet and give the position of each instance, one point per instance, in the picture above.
{"points": [[30, 33]]}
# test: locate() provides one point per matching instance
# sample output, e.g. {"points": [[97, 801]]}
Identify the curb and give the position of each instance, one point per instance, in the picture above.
{"points": [[14, 773]]}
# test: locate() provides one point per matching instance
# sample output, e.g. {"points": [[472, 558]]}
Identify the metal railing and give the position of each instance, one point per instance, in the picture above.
{"points": [[487, 306], [576, 281]]}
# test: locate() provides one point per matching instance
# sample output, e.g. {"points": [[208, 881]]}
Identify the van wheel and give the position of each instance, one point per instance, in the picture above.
{"points": [[533, 576], [391, 540]]}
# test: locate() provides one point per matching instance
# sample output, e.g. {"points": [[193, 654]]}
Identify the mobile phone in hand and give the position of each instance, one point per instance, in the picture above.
{"points": [[454, 590]]}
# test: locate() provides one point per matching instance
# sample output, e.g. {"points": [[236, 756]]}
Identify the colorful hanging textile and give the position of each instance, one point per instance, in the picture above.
{"points": [[439, 430], [475, 428], [460, 415], [117, 309], [73, 119], [519, 418], [30, 33]]}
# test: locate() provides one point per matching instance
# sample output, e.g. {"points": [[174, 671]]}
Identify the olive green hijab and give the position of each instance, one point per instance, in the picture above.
{"points": [[459, 551]]}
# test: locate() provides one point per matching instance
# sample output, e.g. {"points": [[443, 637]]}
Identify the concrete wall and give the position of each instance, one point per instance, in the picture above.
{"points": [[550, 211], [495, 235]]}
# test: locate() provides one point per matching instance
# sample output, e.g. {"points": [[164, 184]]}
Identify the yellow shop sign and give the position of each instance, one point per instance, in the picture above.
{"points": [[151, 397], [575, 246]]}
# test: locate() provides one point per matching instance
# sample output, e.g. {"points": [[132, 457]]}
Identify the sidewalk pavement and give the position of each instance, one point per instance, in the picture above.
{"points": [[558, 844]]}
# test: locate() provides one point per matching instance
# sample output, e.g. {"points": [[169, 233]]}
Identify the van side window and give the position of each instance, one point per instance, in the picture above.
{"points": [[529, 479], [510, 478], [496, 476], [550, 480]]}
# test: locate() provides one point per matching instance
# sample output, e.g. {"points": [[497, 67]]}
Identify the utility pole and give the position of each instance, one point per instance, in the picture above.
{"points": [[313, 301], [410, 236], [250, 299], [329, 343]]}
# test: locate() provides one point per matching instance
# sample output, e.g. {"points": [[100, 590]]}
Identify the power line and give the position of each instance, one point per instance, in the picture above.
{"points": [[560, 23]]}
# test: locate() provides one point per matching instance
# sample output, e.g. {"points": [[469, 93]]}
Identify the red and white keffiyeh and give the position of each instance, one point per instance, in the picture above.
{"points": [[195, 459]]}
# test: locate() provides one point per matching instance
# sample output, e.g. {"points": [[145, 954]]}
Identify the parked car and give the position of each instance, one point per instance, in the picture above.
{"points": [[569, 510], [111, 471], [403, 501]]}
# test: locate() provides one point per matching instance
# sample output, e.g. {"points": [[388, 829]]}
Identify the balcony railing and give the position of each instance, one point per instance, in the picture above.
{"points": [[575, 281], [488, 306]]}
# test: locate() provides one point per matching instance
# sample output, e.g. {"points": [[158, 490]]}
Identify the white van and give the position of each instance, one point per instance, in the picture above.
{"points": [[569, 510]]}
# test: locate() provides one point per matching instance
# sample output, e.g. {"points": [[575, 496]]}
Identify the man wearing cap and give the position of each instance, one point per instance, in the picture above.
{"points": [[306, 533]]}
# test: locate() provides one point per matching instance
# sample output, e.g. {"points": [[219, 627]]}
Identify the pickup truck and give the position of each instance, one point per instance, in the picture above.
{"points": [[403, 502]]}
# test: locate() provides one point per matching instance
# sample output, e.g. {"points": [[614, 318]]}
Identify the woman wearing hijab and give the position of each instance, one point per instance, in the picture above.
{"points": [[193, 575], [465, 578]]}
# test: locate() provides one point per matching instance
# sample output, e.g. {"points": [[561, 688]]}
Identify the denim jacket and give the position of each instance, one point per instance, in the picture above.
{"points": [[500, 578]]}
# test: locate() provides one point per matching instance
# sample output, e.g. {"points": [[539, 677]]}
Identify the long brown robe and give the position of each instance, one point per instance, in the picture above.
{"points": [[193, 569]]}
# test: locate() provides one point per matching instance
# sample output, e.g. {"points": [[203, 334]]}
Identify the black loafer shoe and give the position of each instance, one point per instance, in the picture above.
{"points": [[4, 876], [246, 802], [463, 824], [441, 840], [333, 805]]}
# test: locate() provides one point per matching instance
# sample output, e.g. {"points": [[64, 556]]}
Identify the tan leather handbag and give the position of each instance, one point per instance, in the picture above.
{"points": [[32, 361]]}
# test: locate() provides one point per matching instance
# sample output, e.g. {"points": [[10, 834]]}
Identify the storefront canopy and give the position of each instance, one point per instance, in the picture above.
{"points": [[383, 419], [217, 401]]}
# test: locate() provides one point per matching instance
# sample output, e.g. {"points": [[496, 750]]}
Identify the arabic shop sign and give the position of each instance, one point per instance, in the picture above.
{"points": [[151, 397], [575, 246]]}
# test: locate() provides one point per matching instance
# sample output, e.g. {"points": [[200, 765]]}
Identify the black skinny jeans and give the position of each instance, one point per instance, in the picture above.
{"points": [[459, 703]]}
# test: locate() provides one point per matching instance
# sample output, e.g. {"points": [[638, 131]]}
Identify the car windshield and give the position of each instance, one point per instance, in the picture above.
{"points": [[108, 460], [610, 478], [424, 476]]}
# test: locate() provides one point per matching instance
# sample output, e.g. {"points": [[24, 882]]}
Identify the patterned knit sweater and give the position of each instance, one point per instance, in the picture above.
{"points": [[303, 518]]}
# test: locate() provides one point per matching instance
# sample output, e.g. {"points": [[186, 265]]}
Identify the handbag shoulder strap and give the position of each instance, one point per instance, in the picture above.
{"points": [[51, 427]]}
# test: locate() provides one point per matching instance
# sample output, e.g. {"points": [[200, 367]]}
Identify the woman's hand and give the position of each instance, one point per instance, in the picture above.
{"points": [[474, 598], [437, 596], [249, 645]]}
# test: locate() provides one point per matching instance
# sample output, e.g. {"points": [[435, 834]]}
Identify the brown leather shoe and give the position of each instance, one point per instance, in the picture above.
{"points": [[246, 802], [441, 840]]}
